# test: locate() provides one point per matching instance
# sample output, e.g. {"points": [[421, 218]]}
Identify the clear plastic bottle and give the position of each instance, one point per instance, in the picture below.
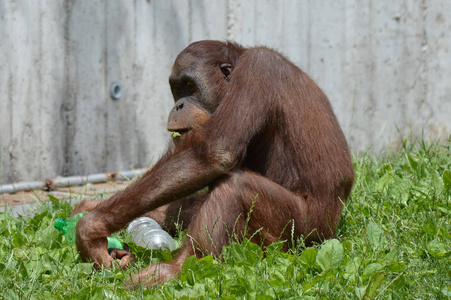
{"points": [[147, 233]]}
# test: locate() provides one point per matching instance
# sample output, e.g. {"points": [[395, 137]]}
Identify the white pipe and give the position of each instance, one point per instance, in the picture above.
{"points": [[21, 186], [70, 181]]}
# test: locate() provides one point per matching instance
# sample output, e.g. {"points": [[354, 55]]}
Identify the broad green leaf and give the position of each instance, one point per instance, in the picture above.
{"points": [[165, 255], [10, 294], [413, 161], [371, 269], [19, 240], [308, 257], [241, 286], [107, 274], [263, 297], [396, 267], [446, 292], [194, 270], [274, 248], [55, 201], [375, 282], [360, 292], [90, 292], [246, 252], [384, 169], [49, 237], [436, 248], [438, 184], [429, 227], [273, 253], [447, 179], [85, 268], [443, 210], [207, 267], [393, 255], [347, 246], [375, 234], [330, 255], [384, 182], [36, 220], [23, 270], [187, 275], [353, 265], [295, 271], [416, 165], [277, 279]]}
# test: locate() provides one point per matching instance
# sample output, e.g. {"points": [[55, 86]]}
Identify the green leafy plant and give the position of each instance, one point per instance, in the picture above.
{"points": [[393, 242]]}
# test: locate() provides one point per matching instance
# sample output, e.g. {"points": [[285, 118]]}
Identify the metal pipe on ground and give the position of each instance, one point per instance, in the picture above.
{"points": [[53, 184], [22, 186]]}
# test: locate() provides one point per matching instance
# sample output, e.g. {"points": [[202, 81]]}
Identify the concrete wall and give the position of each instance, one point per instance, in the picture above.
{"points": [[384, 64]]}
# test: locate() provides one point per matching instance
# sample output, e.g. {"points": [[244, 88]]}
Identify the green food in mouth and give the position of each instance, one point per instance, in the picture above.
{"points": [[175, 134]]}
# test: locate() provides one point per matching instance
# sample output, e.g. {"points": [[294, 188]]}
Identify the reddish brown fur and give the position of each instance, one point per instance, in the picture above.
{"points": [[270, 132]]}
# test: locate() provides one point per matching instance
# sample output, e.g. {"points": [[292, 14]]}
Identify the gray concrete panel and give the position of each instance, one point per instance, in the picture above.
{"points": [[385, 66]]}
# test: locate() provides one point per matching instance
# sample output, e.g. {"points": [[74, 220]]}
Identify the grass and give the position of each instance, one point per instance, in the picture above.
{"points": [[393, 242]]}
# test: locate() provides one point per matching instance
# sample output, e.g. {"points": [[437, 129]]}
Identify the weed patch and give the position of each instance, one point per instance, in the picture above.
{"points": [[393, 242]]}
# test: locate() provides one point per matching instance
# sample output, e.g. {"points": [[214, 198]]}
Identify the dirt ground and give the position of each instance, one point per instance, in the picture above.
{"points": [[23, 203]]}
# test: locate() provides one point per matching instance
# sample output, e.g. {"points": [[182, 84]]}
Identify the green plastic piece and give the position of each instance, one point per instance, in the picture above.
{"points": [[113, 242], [68, 228]]}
